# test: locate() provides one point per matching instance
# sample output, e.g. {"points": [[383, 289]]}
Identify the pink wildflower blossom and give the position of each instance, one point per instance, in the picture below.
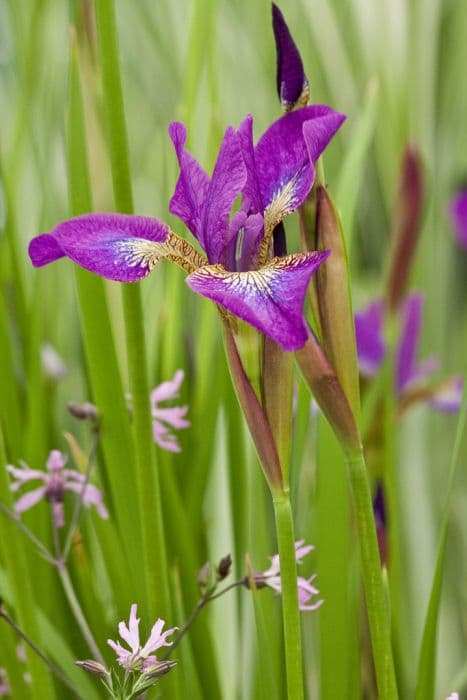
{"points": [[56, 480], [4, 687], [306, 591], [140, 658], [165, 418]]}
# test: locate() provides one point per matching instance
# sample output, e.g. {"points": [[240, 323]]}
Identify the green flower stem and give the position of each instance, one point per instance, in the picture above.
{"points": [[376, 602], [290, 611], [147, 475], [77, 611]]}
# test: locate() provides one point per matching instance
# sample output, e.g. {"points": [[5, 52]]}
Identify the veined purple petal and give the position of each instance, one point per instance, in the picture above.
{"points": [[116, 246], [227, 181], [251, 190], [447, 396], [284, 163], [371, 349], [290, 78], [271, 298], [459, 216], [192, 185], [407, 351]]}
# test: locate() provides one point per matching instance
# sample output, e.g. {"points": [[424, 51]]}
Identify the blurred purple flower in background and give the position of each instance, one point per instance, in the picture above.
{"points": [[168, 417], [4, 687], [458, 210], [411, 376], [56, 480], [306, 591], [140, 658]]}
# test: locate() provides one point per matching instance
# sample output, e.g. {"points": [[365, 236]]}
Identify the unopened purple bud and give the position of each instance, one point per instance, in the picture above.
{"points": [[93, 667], [223, 568], [292, 83]]}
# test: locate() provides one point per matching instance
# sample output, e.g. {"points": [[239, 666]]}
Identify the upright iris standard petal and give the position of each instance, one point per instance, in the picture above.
{"points": [[371, 349], [116, 246], [271, 298], [192, 185], [291, 80], [227, 181], [284, 164], [251, 191], [407, 371], [459, 216]]}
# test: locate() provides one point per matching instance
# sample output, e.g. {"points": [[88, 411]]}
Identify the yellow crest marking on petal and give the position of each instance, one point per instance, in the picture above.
{"points": [[148, 253], [282, 204]]}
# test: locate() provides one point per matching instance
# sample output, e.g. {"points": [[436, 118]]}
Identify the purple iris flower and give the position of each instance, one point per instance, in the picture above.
{"points": [[236, 270], [411, 376], [459, 216], [292, 83]]}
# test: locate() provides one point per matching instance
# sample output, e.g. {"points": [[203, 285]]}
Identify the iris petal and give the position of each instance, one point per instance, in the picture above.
{"points": [[271, 298], [192, 185], [227, 181], [371, 348], [116, 246]]}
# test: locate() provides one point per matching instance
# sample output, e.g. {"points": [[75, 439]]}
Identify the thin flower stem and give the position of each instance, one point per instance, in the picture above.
{"points": [[50, 665], [208, 597], [26, 531], [290, 611], [77, 611], [79, 501], [376, 601]]}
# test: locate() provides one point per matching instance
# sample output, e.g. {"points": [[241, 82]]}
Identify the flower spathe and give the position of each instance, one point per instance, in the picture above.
{"points": [[140, 657], [56, 480], [306, 591], [411, 376], [236, 269], [167, 417]]}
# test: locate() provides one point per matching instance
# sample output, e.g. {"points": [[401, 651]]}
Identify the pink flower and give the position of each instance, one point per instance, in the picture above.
{"points": [[140, 658], [169, 417], [56, 480], [4, 687], [306, 591], [453, 696]]}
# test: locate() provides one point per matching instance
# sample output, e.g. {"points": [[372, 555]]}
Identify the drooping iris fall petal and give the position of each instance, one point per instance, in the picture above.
{"points": [[119, 247], [271, 298]]}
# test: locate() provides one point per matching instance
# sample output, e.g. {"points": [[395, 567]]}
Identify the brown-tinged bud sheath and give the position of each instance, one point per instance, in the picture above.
{"points": [[334, 300], [406, 227], [328, 393], [255, 415]]}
